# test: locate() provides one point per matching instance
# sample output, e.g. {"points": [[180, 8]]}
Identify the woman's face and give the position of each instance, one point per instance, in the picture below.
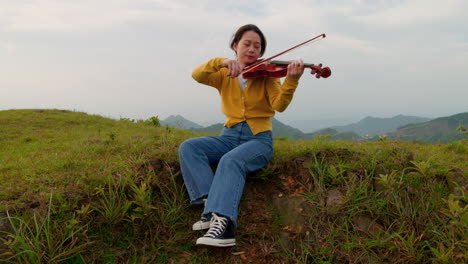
{"points": [[248, 49]]}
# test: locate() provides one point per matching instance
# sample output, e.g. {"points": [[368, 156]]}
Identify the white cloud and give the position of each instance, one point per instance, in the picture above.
{"points": [[55, 15], [363, 46], [7, 47], [415, 12], [276, 16], [90, 15]]}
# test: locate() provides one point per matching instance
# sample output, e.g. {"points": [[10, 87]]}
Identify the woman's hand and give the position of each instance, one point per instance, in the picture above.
{"points": [[234, 67], [295, 69]]}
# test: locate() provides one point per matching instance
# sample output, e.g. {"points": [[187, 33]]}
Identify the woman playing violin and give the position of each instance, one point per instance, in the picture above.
{"points": [[245, 144]]}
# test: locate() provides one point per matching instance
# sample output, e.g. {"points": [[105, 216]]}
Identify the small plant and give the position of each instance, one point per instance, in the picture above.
{"points": [[154, 120], [112, 136], [112, 203], [422, 167], [141, 199], [335, 175], [383, 138], [390, 181], [456, 212], [462, 130], [442, 254], [85, 210], [318, 171]]}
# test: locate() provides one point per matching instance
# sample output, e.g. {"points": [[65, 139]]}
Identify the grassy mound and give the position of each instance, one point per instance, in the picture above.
{"points": [[77, 188]]}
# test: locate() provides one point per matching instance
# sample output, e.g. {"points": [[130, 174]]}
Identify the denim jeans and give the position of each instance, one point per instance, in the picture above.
{"points": [[236, 152]]}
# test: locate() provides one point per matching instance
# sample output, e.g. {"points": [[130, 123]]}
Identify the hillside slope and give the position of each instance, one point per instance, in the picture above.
{"points": [[442, 129], [79, 188]]}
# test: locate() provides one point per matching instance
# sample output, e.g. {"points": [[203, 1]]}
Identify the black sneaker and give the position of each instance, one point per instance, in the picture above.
{"points": [[220, 234], [203, 224]]}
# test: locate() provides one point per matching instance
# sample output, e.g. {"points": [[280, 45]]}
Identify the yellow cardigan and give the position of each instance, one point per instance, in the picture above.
{"points": [[256, 104]]}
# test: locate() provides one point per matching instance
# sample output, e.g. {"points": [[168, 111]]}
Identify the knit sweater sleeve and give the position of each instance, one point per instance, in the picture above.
{"points": [[281, 95], [210, 73]]}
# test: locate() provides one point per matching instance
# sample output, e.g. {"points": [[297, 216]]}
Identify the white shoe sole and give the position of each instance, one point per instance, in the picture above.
{"points": [[206, 241], [201, 225]]}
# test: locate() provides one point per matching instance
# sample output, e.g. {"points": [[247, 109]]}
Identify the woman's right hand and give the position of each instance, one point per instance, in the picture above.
{"points": [[234, 67]]}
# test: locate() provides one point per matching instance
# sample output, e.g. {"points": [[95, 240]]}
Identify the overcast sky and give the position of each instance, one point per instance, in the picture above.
{"points": [[134, 58]]}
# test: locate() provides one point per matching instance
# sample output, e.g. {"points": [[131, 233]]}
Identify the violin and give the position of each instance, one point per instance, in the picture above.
{"points": [[279, 69]]}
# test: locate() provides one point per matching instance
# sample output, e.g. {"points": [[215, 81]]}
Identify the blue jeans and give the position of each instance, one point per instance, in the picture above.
{"points": [[236, 152]]}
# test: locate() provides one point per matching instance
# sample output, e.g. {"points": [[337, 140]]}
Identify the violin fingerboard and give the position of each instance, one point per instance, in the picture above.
{"points": [[286, 63]]}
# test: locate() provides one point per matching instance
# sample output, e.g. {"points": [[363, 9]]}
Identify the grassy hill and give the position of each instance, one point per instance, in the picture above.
{"points": [[79, 188], [334, 135]]}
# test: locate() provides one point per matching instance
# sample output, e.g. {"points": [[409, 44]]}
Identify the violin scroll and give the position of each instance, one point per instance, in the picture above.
{"points": [[320, 72]]}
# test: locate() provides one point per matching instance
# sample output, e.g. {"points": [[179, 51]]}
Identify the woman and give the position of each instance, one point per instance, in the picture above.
{"points": [[245, 144]]}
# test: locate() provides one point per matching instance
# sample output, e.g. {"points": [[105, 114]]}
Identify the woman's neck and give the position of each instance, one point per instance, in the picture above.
{"points": [[242, 64]]}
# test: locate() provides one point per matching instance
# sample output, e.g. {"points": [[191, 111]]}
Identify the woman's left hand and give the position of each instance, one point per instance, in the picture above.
{"points": [[295, 69]]}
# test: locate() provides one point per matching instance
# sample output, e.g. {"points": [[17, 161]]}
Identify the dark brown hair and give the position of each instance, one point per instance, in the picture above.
{"points": [[249, 27]]}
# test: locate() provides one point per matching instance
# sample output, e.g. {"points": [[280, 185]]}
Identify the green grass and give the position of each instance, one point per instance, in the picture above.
{"points": [[78, 188]]}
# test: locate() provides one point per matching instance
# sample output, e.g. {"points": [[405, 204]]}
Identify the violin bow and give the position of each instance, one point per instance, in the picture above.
{"points": [[258, 63]]}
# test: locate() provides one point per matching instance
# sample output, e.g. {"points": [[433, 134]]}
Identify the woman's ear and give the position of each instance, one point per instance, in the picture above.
{"points": [[234, 47]]}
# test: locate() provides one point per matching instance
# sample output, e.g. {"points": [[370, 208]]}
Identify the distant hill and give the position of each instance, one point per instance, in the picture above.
{"points": [[179, 122], [378, 126], [282, 130], [313, 125], [443, 129]]}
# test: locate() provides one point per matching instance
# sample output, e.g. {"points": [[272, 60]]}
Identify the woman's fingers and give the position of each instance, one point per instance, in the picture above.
{"points": [[296, 69], [234, 67]]}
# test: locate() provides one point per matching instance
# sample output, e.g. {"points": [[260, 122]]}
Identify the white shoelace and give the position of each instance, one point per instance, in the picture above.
{"points": [[217, 225]]}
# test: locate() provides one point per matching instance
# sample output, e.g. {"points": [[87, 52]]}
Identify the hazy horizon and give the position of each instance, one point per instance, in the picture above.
{"points": [[134, 58], [308, 126]]}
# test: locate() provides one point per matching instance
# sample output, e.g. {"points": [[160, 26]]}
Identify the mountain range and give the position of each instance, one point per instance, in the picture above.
{"points": [[371, 126], [400, 127]]}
